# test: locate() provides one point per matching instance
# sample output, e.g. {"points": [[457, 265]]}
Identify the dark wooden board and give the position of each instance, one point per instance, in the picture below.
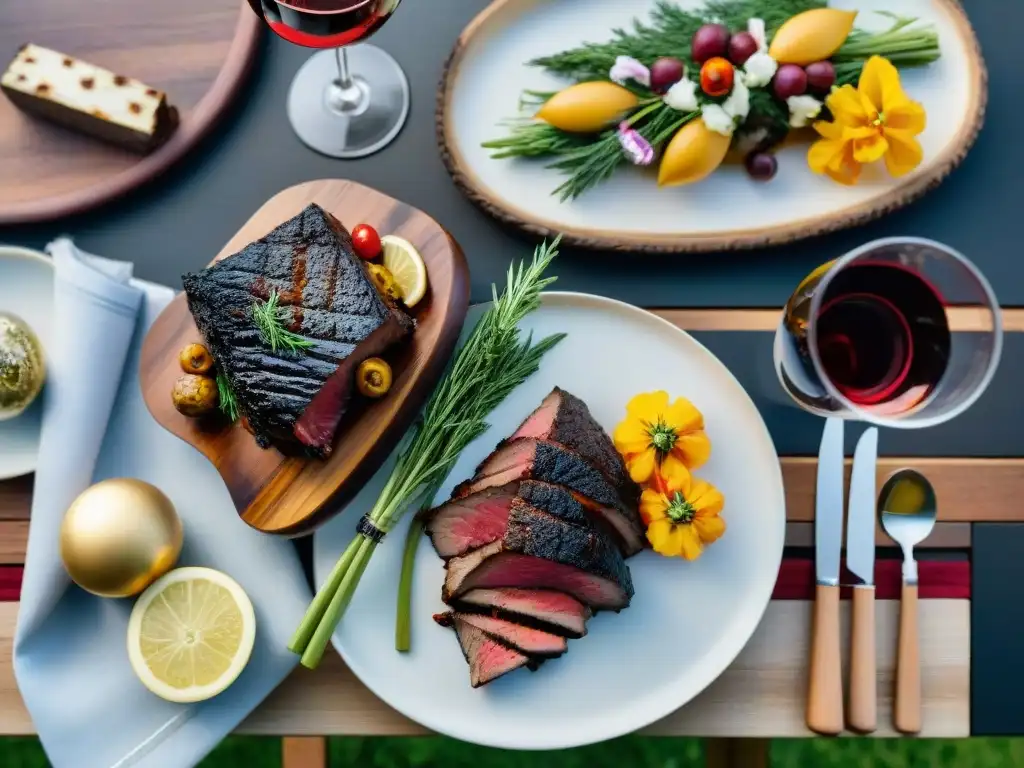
{"points": [[198, 51], [291, 496]]}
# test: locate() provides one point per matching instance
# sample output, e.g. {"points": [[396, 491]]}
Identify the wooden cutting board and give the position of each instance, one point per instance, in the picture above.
{"points": [[198, 51], [291, 496]]}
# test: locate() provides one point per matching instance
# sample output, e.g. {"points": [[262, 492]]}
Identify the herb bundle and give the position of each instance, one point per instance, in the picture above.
{"points": [[272, 321], [492, 363]]}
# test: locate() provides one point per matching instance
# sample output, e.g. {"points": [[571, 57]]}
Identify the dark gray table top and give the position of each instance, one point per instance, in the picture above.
{"points": [[182, 220]]}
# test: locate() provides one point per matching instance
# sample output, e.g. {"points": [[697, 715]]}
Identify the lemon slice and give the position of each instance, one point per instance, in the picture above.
{"points": [[406, 265], [190, 634]]}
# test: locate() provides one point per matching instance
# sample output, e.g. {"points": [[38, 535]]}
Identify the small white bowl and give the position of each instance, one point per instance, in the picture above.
{"points": [[26, 290]]}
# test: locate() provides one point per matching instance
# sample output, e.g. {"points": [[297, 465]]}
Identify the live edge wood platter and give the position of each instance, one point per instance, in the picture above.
{"points": [[486, 73], [198, 51], [292, 496]]}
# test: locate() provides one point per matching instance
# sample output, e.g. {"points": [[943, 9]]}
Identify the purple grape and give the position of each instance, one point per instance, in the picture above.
{"points": [[665, 73], [790, 80], [821, 76], [761, 166], [741, 47], [709, 41]]}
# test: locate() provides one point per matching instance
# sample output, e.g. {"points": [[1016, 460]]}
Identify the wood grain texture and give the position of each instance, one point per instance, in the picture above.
{"points": [[825, 682], [862, 709], [907, 713], [902, 193], [737, 753], [761, 695], [198, 51], [304, 752], [291, 496]]}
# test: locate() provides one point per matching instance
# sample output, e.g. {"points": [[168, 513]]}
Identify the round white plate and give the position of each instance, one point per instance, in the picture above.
{"points": [[26, 289], [687, 622]]}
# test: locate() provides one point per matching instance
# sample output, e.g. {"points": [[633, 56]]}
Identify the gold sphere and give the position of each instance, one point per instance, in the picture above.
{"points": [[119, 536]]}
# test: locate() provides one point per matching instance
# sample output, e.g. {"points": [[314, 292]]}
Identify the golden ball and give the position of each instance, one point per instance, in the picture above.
{"points": [[119, 536]]}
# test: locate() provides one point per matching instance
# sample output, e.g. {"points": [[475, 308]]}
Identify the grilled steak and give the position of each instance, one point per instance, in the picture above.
{"points": [[564, 418], [545, 609], [533, 642], [529, 458], [540, 551], [487, 657], [461, 525], [295, 400]]}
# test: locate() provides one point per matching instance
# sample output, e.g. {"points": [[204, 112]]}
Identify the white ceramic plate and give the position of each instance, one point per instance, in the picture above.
{"points": [[687, 622], [26, 289], [728, 210]]}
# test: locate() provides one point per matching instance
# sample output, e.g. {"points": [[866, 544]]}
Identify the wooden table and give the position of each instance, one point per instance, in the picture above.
{"points": [[332, 702]]}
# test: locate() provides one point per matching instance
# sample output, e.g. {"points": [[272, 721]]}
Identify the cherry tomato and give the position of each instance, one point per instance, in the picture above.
{"points": [[366, 242]]}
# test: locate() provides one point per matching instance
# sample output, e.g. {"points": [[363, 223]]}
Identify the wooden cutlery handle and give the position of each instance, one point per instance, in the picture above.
{"points": [[907, 713], [825, 686], [863, 713]]}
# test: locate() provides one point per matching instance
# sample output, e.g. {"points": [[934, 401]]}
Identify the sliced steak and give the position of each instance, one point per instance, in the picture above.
{"points": [[564, 418], [461, 525], [532, 642], [295, 400], [540, 551], [545, 609], [529, 458], [488, 658]]}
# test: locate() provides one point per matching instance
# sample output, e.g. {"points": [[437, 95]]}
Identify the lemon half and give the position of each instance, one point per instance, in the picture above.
{"points": [[190, 634], [406, 265]]}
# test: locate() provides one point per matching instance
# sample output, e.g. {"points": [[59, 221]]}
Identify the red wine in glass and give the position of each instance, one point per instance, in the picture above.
{"points": [[882, 336], [324, 23]]}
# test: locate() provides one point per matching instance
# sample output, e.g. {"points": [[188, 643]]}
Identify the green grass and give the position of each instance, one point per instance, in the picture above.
{"points": [[632, 751]]}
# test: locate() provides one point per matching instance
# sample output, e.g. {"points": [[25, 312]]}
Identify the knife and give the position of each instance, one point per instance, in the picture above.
{"points": [[825, 685], [860, 560]]}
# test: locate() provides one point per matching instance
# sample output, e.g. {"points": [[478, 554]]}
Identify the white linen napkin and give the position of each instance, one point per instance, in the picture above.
{"points": [[70, 659]]}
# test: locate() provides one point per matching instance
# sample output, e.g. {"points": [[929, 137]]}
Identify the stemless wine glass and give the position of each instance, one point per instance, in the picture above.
{"points": [[350, 101], [902, 332]]}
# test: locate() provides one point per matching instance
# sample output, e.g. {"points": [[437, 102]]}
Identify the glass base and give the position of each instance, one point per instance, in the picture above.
{"points": [[353, 122]]}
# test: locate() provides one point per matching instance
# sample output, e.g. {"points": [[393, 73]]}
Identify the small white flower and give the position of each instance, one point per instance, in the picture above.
{"points": [[628, 68], [756, 28], [738, 103], [759, 70], [802, 109], [717, 119], [682, 96]]}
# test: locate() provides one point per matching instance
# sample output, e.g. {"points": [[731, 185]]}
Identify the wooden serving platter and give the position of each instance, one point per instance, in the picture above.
{"points": [[198, 51], [487, 72], [291, 496]]}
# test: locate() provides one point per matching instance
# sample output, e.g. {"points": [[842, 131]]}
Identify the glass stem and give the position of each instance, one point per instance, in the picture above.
{"points": [[344, 75], [345, 94]]}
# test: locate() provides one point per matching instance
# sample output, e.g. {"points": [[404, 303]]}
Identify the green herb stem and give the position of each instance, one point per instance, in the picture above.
{"points": [[226, 399], [403, 612], [272, 321]]}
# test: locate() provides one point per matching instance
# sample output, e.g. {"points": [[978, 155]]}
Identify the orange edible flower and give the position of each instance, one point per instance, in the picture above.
{"points": [[874, 121], [682, 514], [656, 434]]}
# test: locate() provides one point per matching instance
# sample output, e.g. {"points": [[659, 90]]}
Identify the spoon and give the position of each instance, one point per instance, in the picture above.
{"points": [[907, 510]]}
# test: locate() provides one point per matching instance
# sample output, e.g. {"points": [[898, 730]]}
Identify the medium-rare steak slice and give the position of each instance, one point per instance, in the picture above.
{"points": [[564, 418], [531, 459], [533, 642], [488, 658], [294, 400], [540, 551], [464, 524], [545, 609]]}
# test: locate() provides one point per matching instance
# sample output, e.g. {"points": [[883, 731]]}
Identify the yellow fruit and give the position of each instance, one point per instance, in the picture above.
{"points": [[694, 153], [587, 107], [811, 36], [190, 634], [406, 266]]}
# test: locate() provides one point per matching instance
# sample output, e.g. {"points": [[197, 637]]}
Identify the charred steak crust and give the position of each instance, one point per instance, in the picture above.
{"points": [[310, 262]]}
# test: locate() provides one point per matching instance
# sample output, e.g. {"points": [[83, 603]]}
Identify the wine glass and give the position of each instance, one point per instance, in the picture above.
{"points": [[902, 332], [352, 100]]}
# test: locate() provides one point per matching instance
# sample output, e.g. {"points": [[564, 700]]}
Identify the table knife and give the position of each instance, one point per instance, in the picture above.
{"points": [[825, 684], [860, 560]]}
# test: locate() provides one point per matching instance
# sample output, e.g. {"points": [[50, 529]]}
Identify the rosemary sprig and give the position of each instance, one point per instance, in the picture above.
{"points": [[492, 363], [271, 319], [227, 402]]}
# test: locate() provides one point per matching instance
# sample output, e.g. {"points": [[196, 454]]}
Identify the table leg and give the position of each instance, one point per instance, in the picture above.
{"points": [[737, 753], [305, 752]]}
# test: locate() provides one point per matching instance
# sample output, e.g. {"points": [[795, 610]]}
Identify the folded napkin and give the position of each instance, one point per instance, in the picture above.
{"points": [[69, 651]]}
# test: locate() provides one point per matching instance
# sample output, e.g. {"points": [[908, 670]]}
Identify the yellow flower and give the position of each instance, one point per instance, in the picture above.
{"points": [[874, 121], [657, 433], [682, 515]]}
